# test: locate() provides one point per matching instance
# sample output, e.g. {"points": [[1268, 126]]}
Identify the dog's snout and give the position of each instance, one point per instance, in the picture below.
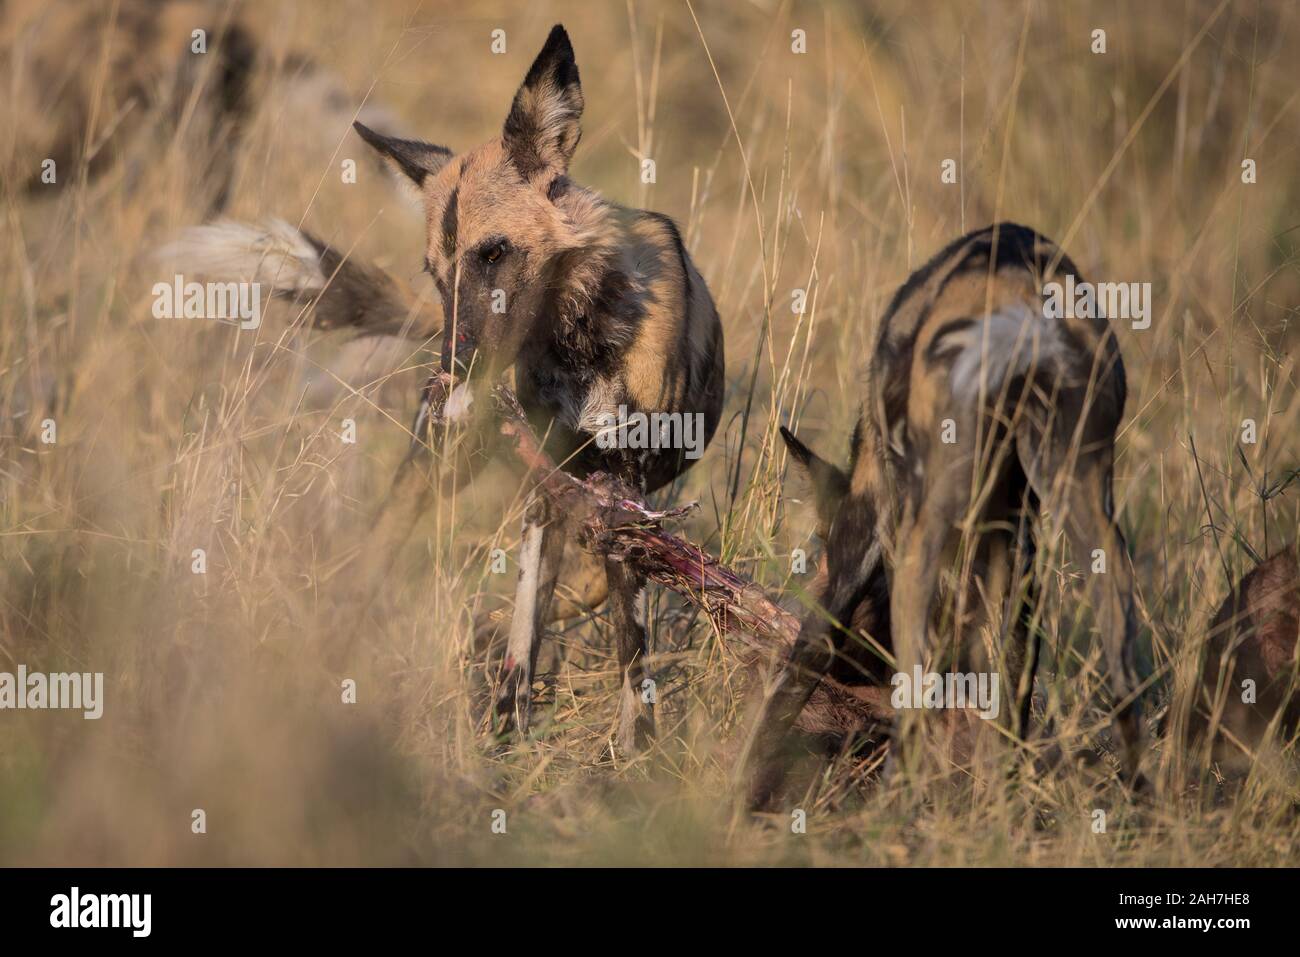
{"points": [[458, 355]]}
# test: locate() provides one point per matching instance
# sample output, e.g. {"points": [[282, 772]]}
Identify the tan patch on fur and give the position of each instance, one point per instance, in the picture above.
{"points": [[659, 339]]}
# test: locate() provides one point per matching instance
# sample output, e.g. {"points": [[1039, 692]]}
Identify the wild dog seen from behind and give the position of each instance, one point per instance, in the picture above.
{"points": [[596, 307], [980, 409]]}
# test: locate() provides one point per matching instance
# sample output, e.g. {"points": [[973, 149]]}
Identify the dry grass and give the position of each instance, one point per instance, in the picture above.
{"points": [[174, 435]]}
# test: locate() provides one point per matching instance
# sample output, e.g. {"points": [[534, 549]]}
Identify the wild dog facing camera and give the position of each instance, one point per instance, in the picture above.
{"points": [[498, 239]]}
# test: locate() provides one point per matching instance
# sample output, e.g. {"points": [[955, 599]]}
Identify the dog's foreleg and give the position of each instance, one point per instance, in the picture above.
{"points": [[636, 722], [541, 549]]}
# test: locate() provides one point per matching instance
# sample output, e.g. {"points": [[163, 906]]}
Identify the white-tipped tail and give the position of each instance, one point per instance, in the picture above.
{"points": [[1013, 342], [272, 253], [342, 292]]}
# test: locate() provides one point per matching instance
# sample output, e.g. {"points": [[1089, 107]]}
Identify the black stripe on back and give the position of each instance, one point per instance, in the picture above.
{"points": [[449, 223], [1015, 244]]}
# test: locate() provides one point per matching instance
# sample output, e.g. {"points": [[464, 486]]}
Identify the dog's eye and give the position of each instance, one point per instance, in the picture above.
{"points": [[494, 252]]}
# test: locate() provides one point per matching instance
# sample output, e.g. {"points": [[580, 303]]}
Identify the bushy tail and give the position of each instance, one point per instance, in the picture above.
{"points": [[1013, 343], [290, 263]]}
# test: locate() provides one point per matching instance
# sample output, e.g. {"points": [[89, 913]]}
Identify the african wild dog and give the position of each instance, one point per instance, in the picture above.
{"points": [[594, 305], [978, 408], [114, 83], [1252, 637]]}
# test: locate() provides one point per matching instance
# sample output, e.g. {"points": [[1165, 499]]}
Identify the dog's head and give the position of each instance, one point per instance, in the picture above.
{"points": [[503, 232], [829, 483]]}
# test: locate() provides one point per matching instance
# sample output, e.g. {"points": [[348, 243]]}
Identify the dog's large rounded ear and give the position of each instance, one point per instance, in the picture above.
{"points": [[543, 130], [829, 482], [414, 159]]}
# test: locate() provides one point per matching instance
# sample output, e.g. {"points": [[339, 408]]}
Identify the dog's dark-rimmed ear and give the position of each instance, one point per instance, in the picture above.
{"points": [[829, 482], [543, 127], [416, 159]]}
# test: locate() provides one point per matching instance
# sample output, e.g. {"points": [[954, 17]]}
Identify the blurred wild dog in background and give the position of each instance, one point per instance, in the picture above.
{"points": [[100, 84], [980, 410], [596, 307]]}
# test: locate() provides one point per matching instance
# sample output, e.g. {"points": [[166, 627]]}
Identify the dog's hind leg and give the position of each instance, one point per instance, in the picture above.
{"points": [[1078, 481]]}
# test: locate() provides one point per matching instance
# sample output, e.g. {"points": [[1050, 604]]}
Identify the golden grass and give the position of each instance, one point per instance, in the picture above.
{"points": [[818, 172]]}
